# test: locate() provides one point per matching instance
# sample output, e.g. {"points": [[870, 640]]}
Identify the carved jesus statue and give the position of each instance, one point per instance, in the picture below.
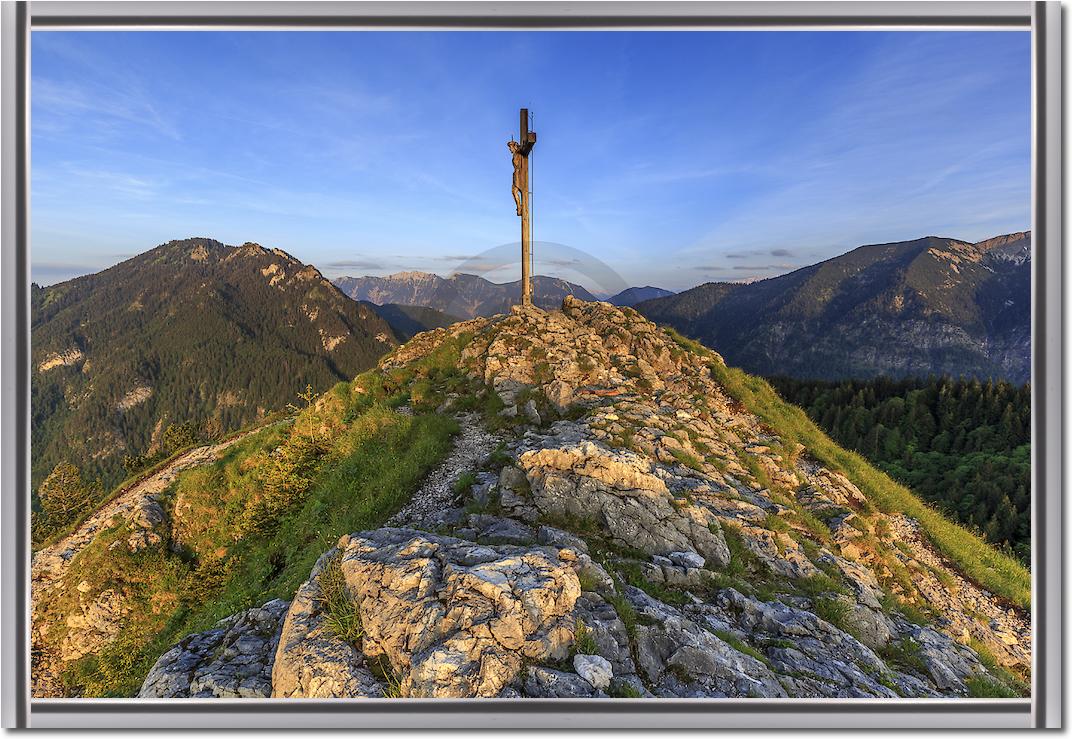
{"points": [[519, 162]]}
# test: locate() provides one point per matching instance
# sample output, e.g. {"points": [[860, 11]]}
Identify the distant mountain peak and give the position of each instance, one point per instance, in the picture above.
{"points": [[413, 275], [462, 295], [1014, 248], [998, 241], [633, 295]]}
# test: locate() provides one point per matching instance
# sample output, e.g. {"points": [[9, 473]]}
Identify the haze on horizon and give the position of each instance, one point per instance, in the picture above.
{"points": [[675, 157]]}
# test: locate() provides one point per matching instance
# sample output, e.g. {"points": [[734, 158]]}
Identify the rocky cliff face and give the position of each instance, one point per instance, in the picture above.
{"points": [[637, 531]]}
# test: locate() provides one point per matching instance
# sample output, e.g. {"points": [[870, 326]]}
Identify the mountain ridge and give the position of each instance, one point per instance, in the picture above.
{"points": [[463, 295], [633, 295], [927, 306]]}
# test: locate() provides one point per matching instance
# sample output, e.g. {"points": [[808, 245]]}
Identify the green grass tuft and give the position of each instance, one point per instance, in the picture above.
{"points": [[465, 481], [624, 690], [734, 641], [904, 654], [689, 460], [834, 611], [980, 686], [382, 670], [583, 641], [342, 614]]}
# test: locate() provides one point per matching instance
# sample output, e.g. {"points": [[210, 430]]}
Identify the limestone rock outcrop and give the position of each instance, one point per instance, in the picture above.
{"points": [[456, 619], [232, 660]]}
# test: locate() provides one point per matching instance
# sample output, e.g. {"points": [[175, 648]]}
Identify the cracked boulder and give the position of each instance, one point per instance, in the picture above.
{"points": [[457, 619]]}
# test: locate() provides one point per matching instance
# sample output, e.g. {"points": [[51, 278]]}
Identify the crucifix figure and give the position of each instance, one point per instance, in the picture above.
{"points": [[519, 152], [519, 172]]}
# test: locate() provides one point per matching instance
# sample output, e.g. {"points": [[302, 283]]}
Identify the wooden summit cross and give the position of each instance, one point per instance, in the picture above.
{"points": [[520, 151]]}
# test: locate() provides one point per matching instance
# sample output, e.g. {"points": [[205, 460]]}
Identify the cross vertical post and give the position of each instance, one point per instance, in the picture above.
{"points": [[527, 139]]}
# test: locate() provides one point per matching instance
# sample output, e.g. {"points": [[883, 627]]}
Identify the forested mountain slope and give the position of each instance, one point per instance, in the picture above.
{"points": [[409, 320], [933, 306], [192, 331]]}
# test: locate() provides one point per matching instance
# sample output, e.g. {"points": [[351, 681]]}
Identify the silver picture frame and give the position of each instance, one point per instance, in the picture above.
{"points": [[1043, 710]]}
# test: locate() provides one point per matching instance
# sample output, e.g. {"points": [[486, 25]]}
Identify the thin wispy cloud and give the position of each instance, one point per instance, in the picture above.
{"points": [[72, 103], [355, 263]]}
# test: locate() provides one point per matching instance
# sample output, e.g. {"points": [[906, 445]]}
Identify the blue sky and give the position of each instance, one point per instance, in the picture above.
{"points": [[674, 157]]}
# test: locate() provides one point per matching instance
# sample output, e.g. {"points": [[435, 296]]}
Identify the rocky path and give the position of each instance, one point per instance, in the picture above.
{"points": [[50, 564], [471, 447]]}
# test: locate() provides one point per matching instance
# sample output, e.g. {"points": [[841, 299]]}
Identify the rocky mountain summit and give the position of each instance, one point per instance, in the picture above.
{"points": [[646, 525]]}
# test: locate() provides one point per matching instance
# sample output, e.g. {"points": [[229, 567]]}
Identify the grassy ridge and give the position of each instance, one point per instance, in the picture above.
{"points": [[345, 464], [973, 557]]}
